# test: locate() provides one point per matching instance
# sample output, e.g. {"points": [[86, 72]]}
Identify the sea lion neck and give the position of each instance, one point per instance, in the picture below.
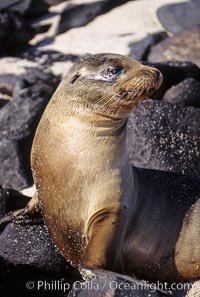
{"points": [[102, 124]]}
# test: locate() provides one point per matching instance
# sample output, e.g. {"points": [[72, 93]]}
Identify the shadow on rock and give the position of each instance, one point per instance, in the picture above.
{"points": [[80, 15]]}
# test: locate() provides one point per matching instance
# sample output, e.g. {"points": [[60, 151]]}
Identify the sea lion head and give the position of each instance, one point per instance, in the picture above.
{"points": [[110, 84]]}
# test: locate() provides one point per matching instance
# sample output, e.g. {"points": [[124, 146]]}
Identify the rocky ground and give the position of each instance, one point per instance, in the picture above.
{"points": [[40, 39]]}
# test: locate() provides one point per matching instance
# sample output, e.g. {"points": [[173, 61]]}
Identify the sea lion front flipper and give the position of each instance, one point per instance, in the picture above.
{"points": [[17, 215], [104, 235]]}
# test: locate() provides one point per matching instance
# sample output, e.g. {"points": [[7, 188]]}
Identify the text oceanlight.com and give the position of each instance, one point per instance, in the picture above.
{"points": [[93, 285]]}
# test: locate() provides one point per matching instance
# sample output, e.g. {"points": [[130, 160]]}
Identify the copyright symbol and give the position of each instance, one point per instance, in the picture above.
{"points": [[30, 285]]}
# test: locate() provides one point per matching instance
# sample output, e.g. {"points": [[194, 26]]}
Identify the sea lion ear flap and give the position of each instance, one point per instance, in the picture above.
{"points": [[74, 78]]}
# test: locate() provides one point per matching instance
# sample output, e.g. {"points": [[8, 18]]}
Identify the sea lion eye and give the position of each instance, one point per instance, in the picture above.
{"points": [[112, 72]]}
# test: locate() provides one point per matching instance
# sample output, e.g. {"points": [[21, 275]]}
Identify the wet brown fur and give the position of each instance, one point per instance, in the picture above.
{"points": [[81, 168]]}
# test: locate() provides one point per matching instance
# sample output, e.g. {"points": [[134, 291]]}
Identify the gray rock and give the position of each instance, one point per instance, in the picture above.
{"points": [[13, 173], [16, 19], [7, 83], [183, 46], [15, 5], [3, 102], [48, 57], [30, 245], [174, 72], [54, 2], [36, 9], [27, 8], [15, 32], [29, 281], [186, 93], [30, 96], [18, 121], [139, 50], [11, 200], [29, 258], [3, 202], [28, 255], [165, 137], [181, 16]]}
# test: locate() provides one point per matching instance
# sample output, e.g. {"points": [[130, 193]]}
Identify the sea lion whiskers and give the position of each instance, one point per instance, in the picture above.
{"points": [[102, 99], [137, 88], [110, 95], [106, 103]]}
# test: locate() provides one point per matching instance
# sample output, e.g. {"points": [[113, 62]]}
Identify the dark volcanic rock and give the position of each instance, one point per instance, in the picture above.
{"points": [[175, 72], [186, 93], [54, 2], [4, 197], [140, 50], [15, 5], [29, 281], [30, 262], [30, 245], [18, 121], [27, 8], [7, 83], [37, 8], [48, 57], [179, 17], [28, 258], [165, 137], [16, 23], [30, 97], [184, 46], [15, 32], [12, 171], [11, 200], [3, 102]]}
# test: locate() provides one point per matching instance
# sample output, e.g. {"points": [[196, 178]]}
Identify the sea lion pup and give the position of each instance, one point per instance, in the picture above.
{"points": [[100, 212]]}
